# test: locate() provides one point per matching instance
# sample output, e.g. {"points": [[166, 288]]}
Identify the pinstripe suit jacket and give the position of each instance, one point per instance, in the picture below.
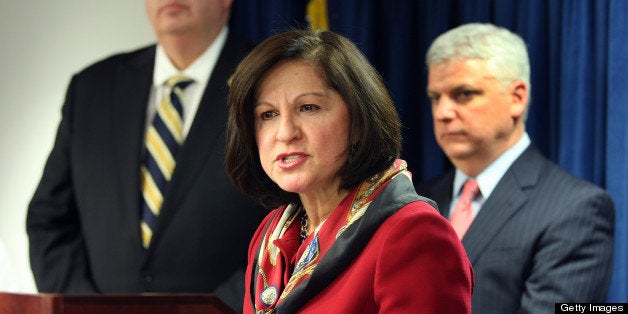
{"points": [[542, 236], [83, 221]]}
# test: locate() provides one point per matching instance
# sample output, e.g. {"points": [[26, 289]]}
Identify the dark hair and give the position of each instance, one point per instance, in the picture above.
{"points": [[374, 120]]}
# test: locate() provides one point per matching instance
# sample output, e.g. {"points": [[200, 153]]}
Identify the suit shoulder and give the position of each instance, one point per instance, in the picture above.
{"points": [[239, 43], [435, 186], [556, 185], [235, 49], [567, 181], [108, 64]]}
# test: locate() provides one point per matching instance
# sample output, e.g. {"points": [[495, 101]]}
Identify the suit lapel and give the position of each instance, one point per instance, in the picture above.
{"points": [[132, 88], [507, 197], [202, 140], [205, 135]]}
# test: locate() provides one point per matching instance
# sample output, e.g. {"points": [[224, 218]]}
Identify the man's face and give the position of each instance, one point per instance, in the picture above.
{"points": [[475, 120], [176, 17]]}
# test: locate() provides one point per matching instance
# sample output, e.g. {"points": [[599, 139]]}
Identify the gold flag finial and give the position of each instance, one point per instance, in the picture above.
{"points": [[316, 14]]}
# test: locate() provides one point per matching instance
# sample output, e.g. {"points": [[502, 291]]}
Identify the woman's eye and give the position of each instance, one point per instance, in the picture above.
{"points": [[267, 115], [309, 107]]}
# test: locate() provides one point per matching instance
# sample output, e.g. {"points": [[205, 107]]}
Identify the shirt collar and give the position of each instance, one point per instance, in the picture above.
{"points": [[489, 177], [164, 69]]}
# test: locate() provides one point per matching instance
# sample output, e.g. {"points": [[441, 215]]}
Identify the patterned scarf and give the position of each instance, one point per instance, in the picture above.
{"points": [[284, 261]]}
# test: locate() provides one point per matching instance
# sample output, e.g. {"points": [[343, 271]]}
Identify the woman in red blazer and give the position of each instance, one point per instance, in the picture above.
{"points": [[314, 133]]}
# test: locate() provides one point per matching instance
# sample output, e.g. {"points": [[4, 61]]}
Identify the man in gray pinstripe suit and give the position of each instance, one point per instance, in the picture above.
{"points": [[540, 235]]}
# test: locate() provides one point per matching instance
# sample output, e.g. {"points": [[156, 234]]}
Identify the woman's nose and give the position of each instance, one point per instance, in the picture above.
{"points": [[288, 129]]}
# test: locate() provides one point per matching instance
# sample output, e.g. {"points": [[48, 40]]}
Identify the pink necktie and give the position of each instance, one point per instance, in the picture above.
{"points": [[462, 215]]}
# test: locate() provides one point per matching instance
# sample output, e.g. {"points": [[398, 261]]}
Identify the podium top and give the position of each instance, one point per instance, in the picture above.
{"points": [[11, 303]]}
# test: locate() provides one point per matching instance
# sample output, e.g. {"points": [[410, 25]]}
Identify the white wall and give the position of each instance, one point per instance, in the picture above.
{"points": [[42, 43]]}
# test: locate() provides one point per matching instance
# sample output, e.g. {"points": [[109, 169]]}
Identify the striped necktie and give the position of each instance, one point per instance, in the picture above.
{"points": [[462, 216], [163, 139]]}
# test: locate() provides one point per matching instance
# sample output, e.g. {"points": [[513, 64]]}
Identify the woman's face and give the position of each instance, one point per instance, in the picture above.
{"points": [[301, 129]]}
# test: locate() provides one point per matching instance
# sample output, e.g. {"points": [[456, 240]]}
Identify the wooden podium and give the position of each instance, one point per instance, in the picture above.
{"points": [[13, 303]]}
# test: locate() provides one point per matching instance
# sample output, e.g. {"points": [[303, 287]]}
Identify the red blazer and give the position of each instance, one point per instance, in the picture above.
{"points": [[413, 263]]}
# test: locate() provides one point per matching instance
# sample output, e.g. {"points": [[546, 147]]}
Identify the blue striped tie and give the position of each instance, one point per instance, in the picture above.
{"points": [[163, 139]]}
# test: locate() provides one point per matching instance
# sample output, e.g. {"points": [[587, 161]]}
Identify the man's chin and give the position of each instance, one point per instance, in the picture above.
{"points": [[458, 154]]}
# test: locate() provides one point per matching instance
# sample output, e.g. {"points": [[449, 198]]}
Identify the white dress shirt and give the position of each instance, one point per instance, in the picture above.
{"points": [[199, 71], [489, 177]]}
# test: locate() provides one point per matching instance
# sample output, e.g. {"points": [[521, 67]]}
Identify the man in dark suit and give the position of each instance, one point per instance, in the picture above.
{"points": [[84, 219], [537, 234]]}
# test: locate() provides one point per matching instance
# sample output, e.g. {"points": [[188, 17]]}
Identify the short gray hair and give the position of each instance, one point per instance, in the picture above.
{"points": [[505, 52]]}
